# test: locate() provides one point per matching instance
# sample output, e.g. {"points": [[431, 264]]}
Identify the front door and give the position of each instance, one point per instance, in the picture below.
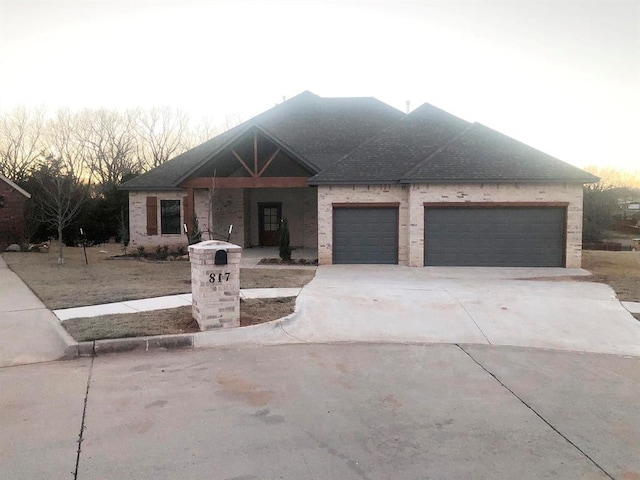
{"points": [[270, 215]]}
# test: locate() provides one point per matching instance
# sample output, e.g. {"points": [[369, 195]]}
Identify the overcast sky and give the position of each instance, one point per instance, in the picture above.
{"points": [[562, 76]]}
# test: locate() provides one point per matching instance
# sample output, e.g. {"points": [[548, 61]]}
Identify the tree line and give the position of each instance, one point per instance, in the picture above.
{"points": [[73, 161]]}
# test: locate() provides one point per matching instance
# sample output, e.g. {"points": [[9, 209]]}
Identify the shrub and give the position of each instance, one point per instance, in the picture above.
{"points": [[285, 247], [140, 251], [181, 250], [162, 252]]}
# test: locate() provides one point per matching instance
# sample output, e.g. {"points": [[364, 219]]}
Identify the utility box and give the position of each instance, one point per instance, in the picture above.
{"points": [[215, 284]]}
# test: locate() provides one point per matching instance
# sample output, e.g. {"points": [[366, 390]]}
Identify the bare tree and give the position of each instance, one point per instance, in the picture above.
{"points": [[162, 134], [205, 130], [233, 119], [63, 140], [110, 141], [20, 141], [59, 198]]}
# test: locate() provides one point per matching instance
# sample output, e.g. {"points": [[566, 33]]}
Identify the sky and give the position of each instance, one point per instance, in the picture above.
{"points": [[560, 75]]}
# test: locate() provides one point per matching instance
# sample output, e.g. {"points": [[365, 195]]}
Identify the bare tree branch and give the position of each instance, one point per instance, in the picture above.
{"points": [[20, 141]]}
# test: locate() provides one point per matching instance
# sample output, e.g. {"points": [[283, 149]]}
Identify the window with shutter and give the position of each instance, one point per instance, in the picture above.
{"points": [[152, 215]]}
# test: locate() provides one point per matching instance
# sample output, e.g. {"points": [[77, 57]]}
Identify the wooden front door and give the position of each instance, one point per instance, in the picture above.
{"points": [[269, 218]]}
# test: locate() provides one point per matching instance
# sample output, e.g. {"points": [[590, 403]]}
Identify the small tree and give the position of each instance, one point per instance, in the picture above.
{"points": [[284, 240], [60, 197], [123, 232], [195, 235]]}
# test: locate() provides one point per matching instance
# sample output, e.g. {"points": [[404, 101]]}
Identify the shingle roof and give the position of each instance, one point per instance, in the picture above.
{"points": [[362, 140], [396, 150], [480, 154], [320, 130]]}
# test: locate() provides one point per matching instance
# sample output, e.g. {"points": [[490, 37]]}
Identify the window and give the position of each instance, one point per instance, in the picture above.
{"points": [[170, 216]]}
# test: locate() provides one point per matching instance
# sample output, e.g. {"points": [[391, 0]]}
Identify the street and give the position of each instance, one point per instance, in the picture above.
{"points": [[341, 411]]}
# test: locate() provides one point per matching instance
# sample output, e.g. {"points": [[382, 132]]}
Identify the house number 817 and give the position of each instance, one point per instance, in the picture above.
{"points": [[213, 278]]}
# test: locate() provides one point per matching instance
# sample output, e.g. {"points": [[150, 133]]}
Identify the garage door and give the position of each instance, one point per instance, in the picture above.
{"points": [[494, 237], [365, 235]]}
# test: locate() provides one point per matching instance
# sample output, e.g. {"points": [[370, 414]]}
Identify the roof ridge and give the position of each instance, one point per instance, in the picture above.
{"points": [[455, 138]]}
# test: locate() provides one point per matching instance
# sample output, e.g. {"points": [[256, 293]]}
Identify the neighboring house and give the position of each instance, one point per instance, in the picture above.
{"points": [[13, 210], [365, 183]]}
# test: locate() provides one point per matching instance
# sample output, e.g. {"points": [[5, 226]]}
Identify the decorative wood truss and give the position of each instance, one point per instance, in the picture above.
{"points": [[254, 180], [255, 172]]}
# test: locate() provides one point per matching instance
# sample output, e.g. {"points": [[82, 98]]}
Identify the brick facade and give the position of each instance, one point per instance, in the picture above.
{"points": [[379, 194], [411, 211], [138, 219], [231, 206], [12, 215]]}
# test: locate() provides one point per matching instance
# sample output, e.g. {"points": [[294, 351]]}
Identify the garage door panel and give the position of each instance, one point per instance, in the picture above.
{"points": [[460, 236], [365, 235]]}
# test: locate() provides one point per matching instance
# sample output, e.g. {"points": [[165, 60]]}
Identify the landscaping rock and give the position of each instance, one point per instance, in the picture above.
{"points": [[14, 247]]}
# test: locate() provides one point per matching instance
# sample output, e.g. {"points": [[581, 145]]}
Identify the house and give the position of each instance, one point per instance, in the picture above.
{"points": [[365, 183], [13, 210]]}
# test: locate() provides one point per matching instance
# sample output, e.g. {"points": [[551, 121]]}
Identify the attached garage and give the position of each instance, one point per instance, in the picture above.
{"points": [[365, 235], [505, 236]]}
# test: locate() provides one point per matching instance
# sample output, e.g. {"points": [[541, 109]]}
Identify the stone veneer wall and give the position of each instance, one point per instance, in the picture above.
{"points": [[299, 207], [138, 219], [228, 209], [215, 289], [411, 215]]}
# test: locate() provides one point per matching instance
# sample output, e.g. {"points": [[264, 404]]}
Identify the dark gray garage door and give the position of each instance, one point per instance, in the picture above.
{"points": [[365, 235], [494, 237]]}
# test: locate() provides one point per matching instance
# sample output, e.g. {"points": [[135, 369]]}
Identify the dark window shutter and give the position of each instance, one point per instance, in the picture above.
{"points": [[152, 215]]}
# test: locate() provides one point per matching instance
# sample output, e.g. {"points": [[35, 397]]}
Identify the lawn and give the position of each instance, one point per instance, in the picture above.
{"points": [[621, 270], [105, 280], [171, 321]]}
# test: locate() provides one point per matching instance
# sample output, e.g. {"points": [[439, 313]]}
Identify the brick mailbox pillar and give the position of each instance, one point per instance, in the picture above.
{"points": [[215, 284]]}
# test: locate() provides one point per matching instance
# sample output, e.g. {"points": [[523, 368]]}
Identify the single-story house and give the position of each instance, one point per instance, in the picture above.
{"points": [[366, 183], [13, 211]]}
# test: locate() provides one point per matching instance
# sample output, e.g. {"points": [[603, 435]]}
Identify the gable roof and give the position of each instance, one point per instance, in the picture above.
{"points": [[14, 186], [318, 131], [388, 156], [480, 154]]}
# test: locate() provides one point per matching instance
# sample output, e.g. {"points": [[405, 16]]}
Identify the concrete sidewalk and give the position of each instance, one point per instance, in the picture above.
{"points": [[29, 332], [160, 303]]}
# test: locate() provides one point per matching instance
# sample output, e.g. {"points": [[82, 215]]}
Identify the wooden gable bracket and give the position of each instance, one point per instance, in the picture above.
{"points": [[255, 172]]}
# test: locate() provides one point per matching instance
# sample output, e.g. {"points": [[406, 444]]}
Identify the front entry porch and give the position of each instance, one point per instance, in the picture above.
{"points": [[256, 215], [253, 184]]}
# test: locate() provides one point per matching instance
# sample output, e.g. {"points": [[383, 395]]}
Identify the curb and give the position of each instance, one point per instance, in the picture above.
{"points": [[206, 339], [118, 345]]}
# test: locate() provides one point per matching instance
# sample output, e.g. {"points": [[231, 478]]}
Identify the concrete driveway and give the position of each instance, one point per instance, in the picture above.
{"points": [[530, 307]]}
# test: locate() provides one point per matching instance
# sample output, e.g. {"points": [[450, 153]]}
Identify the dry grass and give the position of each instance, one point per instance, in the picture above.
{"points": [[103, 280], [621, 270], [157, 322], [170, 321], [260, 310], [275, 277]]}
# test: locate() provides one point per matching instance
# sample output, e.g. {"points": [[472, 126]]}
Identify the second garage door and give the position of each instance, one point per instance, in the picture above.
{"points": [[494, 237], [365, 235]]}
